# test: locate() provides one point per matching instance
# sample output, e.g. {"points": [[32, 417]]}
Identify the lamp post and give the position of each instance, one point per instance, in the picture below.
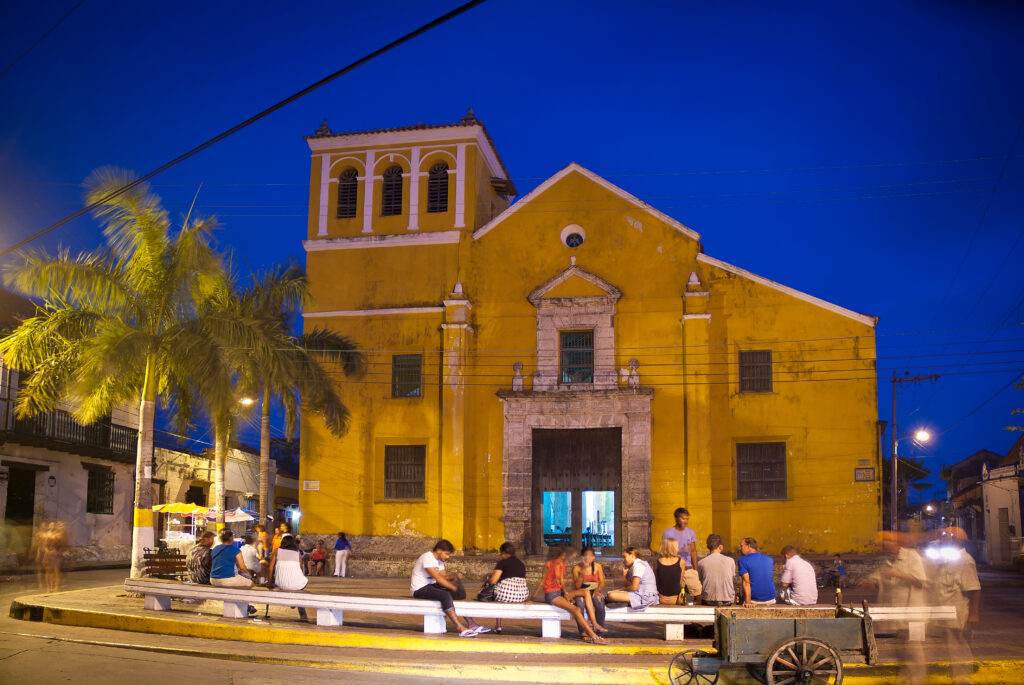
{"points": [[921, 436]]}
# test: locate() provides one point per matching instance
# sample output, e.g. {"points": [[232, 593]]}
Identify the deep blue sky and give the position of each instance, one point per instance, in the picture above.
{"points": [[848, 150]]}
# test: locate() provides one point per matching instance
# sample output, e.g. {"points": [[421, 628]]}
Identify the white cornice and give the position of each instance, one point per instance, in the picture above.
{"points": [[424, 136], [390, 311], [362, 242], [691, 317], [842, 311], [640, 204]]}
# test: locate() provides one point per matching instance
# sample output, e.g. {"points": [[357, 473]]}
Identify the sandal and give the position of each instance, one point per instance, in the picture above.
{"points": [[600, 629], [599, 640], [497, 630], [468, 632]]}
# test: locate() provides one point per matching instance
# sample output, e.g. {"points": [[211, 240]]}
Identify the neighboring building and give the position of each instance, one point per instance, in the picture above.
{"points": [[964, 492], [568, 368]]}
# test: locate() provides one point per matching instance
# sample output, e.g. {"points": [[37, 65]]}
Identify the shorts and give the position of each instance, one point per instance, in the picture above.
{"points": [[550, 597], [639, 601]]}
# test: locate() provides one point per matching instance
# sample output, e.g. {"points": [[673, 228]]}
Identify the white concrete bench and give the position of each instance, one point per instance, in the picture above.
{"points": [[916, 617], [330, 608]]}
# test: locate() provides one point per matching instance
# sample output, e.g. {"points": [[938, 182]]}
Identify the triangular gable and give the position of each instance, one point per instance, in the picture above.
{"points": [[575, 278], [574, 167]]}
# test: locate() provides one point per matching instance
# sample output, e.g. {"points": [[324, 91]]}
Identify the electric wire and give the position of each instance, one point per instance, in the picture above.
{"points": [[41, 38]]}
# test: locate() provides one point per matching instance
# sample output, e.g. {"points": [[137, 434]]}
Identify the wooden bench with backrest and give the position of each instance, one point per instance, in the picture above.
{"points": [[165, 564]]}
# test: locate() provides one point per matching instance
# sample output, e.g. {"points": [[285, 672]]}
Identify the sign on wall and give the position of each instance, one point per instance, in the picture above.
{"points": [[860, 475], [310, 485]]}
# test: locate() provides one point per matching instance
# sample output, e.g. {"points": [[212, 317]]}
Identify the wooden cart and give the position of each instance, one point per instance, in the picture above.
{"points": [[781, 645]]}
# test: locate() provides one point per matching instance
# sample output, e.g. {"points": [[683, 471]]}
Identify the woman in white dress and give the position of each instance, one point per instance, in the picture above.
{"points": [[286, 569]]}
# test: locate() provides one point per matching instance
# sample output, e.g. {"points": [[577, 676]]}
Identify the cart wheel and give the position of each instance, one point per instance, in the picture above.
{"points": [[680, 671], [804, 660]]}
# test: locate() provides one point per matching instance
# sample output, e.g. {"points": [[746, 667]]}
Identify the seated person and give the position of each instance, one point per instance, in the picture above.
{"points": [[640, 590], [836, 575], [251, 556], [717, 574], [429, 581], [756, 573], [198, 561], [557, 593], [588, 578], [668, 572], [798, 575], [227, 564], [318, 559]]}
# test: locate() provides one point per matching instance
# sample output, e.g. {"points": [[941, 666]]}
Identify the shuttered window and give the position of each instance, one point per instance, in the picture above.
{"points": [[755, 370], [405, 471], [761, 470], [99, 495], [406, 375], [576, 354], [347, 193], [391, 192], [437, 189]]}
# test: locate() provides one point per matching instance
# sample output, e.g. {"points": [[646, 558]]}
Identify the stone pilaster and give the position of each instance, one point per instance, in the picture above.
{"points": [[697, 408], [451, 469]]}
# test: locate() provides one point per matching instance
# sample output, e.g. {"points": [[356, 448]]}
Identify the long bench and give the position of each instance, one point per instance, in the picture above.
{"points": [[330, 609]]}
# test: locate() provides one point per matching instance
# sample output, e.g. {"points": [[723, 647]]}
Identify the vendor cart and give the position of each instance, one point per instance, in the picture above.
{"points": [[781, 644]]}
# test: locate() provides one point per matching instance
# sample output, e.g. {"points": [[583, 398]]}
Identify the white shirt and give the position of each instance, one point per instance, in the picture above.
{"points": [[802, 580], [420, 577], [251, 557]]}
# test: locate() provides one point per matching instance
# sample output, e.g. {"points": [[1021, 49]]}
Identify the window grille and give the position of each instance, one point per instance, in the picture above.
{"points": [[761, 470], [99, 498], [347, 192], [406, 375], [391, 192], [405, 471], [577, 356], [755, 370], [437, 189]]}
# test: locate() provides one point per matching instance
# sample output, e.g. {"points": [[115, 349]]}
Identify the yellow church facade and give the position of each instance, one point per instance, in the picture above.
{"points": [[569, 367]]}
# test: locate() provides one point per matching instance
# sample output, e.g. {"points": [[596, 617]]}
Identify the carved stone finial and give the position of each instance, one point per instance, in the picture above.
{"points": [[572, 260], [470, 118], [324, 130], [458, 288], [517, 379]]}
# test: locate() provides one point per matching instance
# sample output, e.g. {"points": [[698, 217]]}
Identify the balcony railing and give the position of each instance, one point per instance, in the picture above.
{"points": [[59, 430]]}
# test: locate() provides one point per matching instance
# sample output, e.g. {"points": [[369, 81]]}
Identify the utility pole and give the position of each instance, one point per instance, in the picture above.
{"points": [[894, 490]]}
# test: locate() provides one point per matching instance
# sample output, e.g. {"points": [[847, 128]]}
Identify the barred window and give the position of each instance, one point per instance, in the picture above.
{"points": [[437, 189], [406, 375], [347, 191], [99, 496], [391, 192], [405, 471], [577, 356], [761, 470], [755, 370]]}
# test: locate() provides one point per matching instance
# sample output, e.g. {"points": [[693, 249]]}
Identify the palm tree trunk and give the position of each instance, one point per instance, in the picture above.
{"points": [[265, 455], [220, 454], [142, 528]]}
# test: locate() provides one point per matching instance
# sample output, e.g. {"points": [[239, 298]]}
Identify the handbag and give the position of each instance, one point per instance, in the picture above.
{"points": [[486, 593]]}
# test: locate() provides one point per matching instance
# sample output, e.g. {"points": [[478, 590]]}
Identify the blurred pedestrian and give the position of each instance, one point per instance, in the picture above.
{"points": [[953, 581]]}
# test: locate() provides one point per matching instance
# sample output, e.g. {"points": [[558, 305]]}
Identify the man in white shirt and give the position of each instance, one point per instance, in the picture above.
{"points": [[429, 581], [798, 575], [251, 556]]}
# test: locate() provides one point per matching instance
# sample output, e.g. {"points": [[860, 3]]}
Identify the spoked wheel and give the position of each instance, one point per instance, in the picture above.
{"points": [[804, 661], [681, 671]]}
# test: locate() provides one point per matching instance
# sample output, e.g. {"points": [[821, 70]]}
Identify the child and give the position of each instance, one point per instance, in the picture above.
{"points": [[836, 575]]}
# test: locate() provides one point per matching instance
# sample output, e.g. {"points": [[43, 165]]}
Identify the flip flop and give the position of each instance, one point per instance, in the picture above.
{"points": [[468, 632], [479, 630]]}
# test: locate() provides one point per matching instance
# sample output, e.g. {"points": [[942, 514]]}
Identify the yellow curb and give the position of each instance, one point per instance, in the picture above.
{"points": [[24, 608]]}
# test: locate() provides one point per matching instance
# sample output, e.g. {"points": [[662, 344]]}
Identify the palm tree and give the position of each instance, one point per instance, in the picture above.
{"points": [[116, 324], [257, 323]]}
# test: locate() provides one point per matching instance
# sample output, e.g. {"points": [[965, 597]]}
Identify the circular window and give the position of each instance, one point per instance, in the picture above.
{"points": [[573, 235]]}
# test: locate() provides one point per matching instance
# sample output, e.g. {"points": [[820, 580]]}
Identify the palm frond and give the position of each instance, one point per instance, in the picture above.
{"points": [[92, 280], [135, 224], [327, 346]]}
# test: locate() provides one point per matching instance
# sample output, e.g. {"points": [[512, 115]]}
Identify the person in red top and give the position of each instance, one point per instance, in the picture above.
{"points": [[557, 593], [588, 579], [317, 560]]}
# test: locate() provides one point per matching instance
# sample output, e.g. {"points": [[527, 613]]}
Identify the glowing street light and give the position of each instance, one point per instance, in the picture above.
{"points": [[246, 401], [922, 435]]}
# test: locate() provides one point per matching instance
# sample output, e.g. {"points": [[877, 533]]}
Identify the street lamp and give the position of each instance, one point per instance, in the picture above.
{"points": [[921, 436], [246, 401]]}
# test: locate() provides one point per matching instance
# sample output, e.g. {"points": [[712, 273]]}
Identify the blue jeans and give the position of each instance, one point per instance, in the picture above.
{"points": [[598, 608]]}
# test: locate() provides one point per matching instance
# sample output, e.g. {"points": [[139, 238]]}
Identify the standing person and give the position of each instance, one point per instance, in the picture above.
{"points": [[251, 557], [53, 553], [640, 589], [556, 593], [756, 573], [668, 572], [279, 533], [686, 539], [953, 581], [198, 561], [798, 575], [342, 548], [429, 581], [227, 565], [262, 541], [508, 579], [286, 569], [717, 574], [588, 577]]}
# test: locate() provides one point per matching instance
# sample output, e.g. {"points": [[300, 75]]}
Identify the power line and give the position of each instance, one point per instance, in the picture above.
{"points": [[251, 120], [971, 413], [41, 38]]}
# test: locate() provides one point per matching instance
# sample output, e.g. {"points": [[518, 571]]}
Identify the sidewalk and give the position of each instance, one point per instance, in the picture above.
{"points": [[396, 644]]}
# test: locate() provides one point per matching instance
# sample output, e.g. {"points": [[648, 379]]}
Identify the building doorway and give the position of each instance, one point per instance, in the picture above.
{"points": [[577, 475], [21, 505]]}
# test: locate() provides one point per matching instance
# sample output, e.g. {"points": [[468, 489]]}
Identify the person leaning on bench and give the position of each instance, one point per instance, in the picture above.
{"points": [[429, 581]]}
